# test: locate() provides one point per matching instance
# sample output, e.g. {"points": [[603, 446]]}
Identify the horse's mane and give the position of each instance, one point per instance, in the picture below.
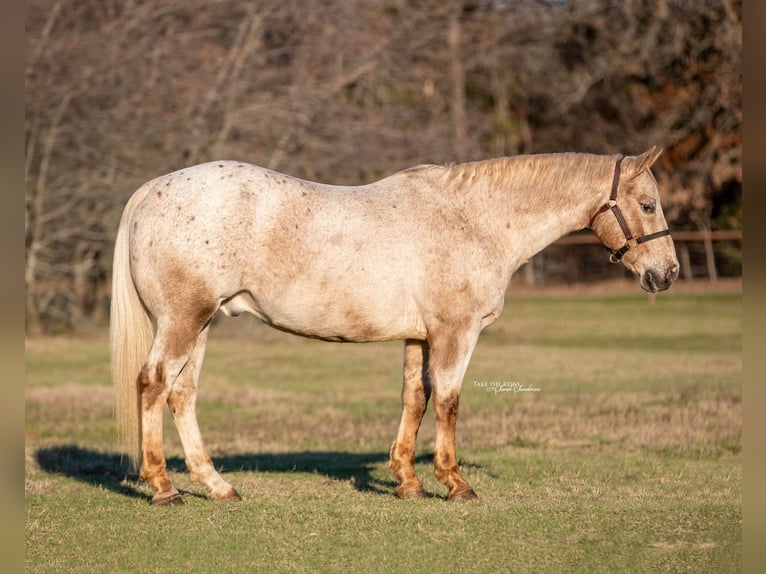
{"points": [[523, 171]]}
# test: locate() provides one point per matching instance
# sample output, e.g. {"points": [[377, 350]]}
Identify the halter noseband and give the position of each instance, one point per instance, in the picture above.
{"points": [[630, 242]]}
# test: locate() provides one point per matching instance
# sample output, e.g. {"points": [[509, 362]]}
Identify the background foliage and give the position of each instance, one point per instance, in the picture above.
{"points": [[347, 91]]}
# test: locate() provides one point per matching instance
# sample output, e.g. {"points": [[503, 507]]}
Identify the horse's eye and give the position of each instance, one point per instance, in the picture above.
{"points": [[647, 207]]}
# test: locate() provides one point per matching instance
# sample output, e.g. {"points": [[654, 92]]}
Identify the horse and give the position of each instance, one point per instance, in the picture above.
{"points": [[424, 255]]}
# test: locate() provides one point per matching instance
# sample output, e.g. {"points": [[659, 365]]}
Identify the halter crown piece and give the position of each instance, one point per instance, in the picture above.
{"points": [[630, 242]]}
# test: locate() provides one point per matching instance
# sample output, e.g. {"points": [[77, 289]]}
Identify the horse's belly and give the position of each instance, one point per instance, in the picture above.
{"points": [[339, 318], [348, 323]]}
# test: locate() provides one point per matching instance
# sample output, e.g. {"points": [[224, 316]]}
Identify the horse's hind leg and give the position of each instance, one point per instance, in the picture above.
{"points": [[416, 390], [182, 402], [170, 352]]}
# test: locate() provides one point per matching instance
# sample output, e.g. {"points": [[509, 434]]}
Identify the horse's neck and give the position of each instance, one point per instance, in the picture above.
{"points": [[535, 200]]}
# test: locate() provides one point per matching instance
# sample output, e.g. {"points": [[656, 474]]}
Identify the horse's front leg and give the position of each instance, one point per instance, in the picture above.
{"points": [[451, 351], [416, 390]]}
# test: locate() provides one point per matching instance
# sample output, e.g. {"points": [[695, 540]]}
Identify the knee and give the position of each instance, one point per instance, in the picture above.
{"points": [[447, 407], [416, 397]]}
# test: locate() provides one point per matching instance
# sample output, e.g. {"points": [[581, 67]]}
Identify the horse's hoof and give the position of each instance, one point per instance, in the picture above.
{"points": [[167, 499], [231, 495], [466, 494], [408, 493]]}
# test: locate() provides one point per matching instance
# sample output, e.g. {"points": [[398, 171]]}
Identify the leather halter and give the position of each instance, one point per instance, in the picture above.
{"points": [[630, 242]]}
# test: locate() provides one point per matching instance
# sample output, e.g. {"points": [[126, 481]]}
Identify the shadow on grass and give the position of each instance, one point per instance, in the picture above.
{"points": [[95, 468], [111, 471]]}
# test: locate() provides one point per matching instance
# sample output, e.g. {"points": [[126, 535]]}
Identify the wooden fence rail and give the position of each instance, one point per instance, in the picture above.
{"points": [[682, 240]]}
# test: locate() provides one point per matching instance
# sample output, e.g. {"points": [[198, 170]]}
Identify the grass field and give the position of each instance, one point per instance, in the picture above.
{"points": [[601, 434]]}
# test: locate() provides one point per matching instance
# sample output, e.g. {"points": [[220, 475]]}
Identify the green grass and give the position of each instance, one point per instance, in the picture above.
{"points": [[627, 458]]}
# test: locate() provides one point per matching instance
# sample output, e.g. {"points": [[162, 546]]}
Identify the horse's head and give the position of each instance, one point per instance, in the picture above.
{"points": [[635, 231]]}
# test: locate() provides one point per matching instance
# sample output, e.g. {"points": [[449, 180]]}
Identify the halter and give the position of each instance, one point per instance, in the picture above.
{"points": [[630, 242]]}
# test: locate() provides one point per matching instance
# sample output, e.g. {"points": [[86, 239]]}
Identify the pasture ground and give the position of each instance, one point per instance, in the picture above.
{"points": [[602, 434]]}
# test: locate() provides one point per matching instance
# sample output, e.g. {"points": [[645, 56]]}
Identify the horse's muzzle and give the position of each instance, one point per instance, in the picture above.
{"points": [[653, 280]]}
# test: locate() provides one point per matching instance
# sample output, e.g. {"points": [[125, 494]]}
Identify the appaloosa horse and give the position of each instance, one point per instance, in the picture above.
{"points": [[423, 256]]}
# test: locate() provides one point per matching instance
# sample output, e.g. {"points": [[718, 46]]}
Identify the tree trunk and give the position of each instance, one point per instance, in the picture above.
{"points": [[457, 78]]}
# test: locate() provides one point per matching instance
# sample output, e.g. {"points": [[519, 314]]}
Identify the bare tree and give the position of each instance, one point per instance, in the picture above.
{"points": [[349, 91]]}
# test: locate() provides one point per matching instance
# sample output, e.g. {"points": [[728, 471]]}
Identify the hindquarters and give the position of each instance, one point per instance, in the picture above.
{"points": [[162, 282], [157, 279]]}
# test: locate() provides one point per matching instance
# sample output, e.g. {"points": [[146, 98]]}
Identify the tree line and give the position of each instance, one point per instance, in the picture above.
{"points": [[348, 91]]}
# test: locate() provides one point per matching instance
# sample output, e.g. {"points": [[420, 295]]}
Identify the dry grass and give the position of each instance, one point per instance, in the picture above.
{"points": [[626, 459]]}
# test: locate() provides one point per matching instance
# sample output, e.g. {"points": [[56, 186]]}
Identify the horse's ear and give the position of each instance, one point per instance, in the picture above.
{"points": [[644, 161]]}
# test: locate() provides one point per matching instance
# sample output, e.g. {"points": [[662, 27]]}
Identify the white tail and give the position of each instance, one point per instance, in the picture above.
{"points": [[130, 337]]}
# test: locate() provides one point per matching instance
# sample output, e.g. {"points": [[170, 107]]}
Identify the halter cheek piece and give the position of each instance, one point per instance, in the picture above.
{"points": [[630, 242]]}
